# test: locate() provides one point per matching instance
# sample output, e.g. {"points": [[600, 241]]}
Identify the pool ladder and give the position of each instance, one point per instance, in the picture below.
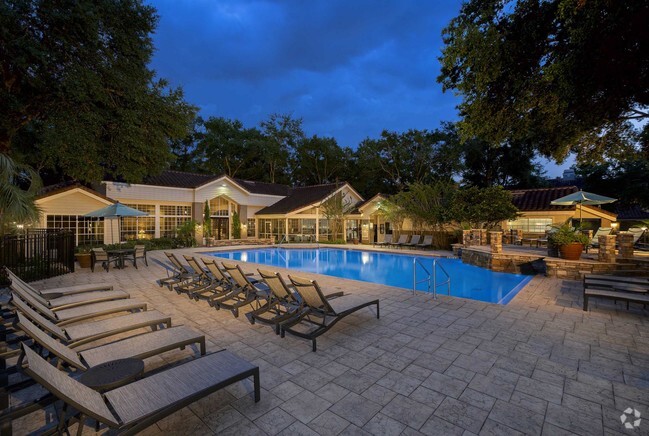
{"points": [[428, 277]]}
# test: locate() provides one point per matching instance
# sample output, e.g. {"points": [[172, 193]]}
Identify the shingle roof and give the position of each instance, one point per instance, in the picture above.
{"points": [[47, 191], [539, 199], [300, 197], [181, 179], [633, 212]]}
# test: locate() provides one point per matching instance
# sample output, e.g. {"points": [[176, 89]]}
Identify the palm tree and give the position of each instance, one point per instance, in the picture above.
{"points": [[16, 202]]}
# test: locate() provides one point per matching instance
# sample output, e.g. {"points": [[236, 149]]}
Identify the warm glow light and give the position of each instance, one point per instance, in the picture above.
{"points": [[365, 258], [614, 225], [244, 257]]}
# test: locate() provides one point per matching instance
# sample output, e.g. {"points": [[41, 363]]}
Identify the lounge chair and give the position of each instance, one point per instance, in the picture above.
{"points": [[629, 289], [100, 255], [386, 241], [321, 313], [637, 234], [80, 334], [401, 242], [428, 242], [199, 280], [74, 300], [134, 407], [178, 273], [594, 241], [413, 242], [283, 303], [59, 292], [222, 282], [140, 346], [244, 291], [80, 313]]}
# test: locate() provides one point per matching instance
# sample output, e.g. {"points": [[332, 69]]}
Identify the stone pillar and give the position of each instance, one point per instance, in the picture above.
{"points": [[466, 237], [606, 250], [626, 245], [496, 242]]}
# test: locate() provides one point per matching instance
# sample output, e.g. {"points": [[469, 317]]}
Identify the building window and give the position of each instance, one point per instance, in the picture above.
{"points": [[272, 229], [219, 207], [301, 230], [88, 231], [531, 225], [324, 230], [251, 227], [172, 217], [352, 229], [141, 227]]}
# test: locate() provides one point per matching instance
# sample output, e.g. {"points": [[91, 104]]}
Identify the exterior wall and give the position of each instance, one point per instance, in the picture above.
{"points": [[129, 193], [74, 202]]}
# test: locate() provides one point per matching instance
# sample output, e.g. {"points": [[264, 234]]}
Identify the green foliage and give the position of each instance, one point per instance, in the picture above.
{"points": [[318, 160], [186, 233], [429, 205], [559, 75], [281, 133], [335, 209], [18, 187], [626, 180], [77, 94], [565, 235], [484, 207], [236, 226], [207, 220]]}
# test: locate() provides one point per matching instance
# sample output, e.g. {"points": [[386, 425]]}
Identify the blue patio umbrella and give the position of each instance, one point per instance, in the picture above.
{"points": [[582, 197], [117, 210]]}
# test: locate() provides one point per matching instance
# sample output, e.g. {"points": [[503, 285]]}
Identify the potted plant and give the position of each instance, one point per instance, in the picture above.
{"points": [[569, 241], [82, 254]]}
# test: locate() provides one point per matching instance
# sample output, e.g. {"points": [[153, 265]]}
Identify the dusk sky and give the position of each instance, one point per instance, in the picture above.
{"points": [[349, 69]]}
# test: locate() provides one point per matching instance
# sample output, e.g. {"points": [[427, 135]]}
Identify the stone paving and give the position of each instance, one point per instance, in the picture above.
{"points": [[539, 365]]}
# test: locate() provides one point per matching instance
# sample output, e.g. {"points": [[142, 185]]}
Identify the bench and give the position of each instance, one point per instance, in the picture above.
{"points": [[629, 289]]}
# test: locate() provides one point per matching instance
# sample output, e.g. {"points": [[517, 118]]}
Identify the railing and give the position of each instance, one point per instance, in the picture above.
{"points": [[281, 241], [429, 275], [38, 254]]}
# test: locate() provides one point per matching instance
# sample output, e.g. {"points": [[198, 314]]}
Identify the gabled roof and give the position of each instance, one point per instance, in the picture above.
{"points": [[181, 179], [527, 200], [301, 197], [59, 188]]}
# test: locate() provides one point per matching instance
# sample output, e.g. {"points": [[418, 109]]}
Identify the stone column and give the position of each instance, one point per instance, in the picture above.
{"points": [[626, 245], [606, 250], [483, 237], [466, 237], [496, 242]]}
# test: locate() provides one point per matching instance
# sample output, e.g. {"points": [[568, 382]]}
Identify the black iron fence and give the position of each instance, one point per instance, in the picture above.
{"points": [[38, 253]]}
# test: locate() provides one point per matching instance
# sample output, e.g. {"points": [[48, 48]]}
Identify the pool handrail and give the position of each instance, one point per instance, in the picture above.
{"points": [[428, 277]]}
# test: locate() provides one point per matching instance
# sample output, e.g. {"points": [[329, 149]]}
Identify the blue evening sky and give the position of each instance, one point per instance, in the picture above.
{"points": [[348, 68]]}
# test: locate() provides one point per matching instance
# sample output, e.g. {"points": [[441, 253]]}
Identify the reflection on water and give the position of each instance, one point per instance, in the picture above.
{"points": [[467, 281]]}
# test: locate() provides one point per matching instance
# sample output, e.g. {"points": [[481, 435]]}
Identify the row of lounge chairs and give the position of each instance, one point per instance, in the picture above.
{"points": [[301, 308], [403, 241], [50, 325]]}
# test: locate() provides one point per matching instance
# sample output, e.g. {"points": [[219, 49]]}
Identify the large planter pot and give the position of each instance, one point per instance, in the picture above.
{"points": [[83, 259], [571, 251]]}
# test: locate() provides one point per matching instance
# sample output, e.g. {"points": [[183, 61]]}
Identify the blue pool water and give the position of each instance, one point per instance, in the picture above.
{"points": [[467, 281]]}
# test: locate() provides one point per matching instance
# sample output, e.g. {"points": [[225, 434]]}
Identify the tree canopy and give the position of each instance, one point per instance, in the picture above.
{"points": [[76, 91], [561, 75]]}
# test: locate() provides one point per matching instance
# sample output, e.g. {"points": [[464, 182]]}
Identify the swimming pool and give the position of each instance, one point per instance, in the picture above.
{"points": [[467, 281]]}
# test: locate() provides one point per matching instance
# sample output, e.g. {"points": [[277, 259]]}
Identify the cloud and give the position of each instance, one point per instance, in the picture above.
{"points": [[349, 69]]}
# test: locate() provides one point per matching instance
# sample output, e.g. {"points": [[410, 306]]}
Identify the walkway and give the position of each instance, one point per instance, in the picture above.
{"points": [[539, 365]]}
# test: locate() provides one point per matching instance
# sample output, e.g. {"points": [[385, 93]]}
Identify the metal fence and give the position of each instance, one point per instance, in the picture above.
{"points": [[38, 253]]}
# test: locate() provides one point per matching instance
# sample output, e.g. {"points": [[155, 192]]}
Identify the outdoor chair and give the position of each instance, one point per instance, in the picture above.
{"points": [[177, 274], [83, 333], [80, 313], [401, 242], [283, 302], [321, 313], [70, 301], [244, 291], [413, 242], [637, 234], [59, 292], [139, 346], [100, 255], [594, 241], [386, 241], [199, 280], [222, 282], [139, 253], [132, 408], [428, 242]]}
